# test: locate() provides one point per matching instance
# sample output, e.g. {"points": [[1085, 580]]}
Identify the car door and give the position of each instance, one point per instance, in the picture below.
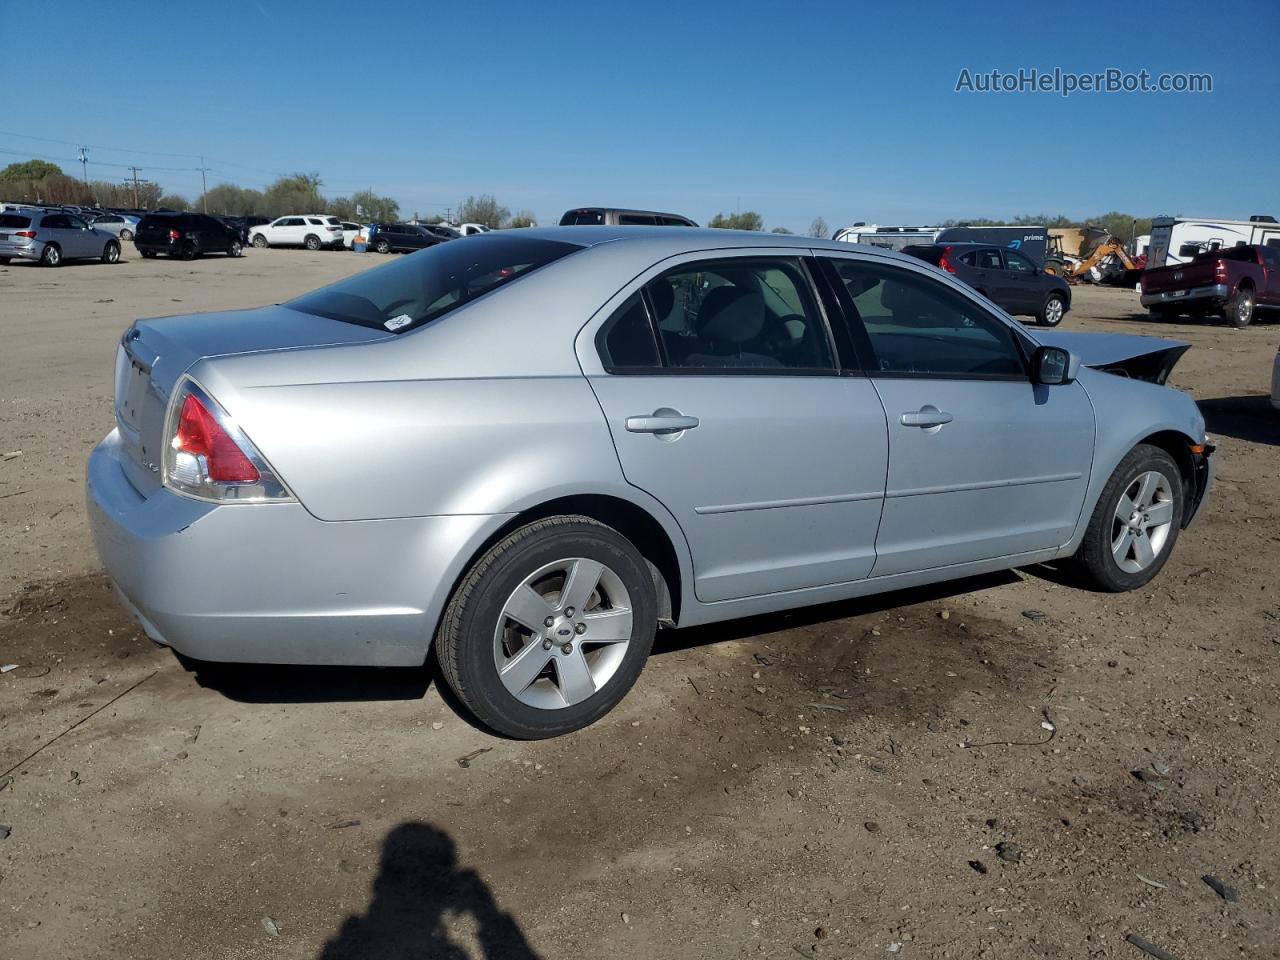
{"points": [[1025, 283], [988, 274], [982, 462], [735, 416], [1271, 273], [82, 241]]}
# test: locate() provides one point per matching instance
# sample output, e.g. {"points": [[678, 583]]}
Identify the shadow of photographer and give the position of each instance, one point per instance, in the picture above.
{"points": [[418, 891]]}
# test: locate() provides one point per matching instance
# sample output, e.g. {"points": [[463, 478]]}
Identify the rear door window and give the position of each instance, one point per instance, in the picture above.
{"points": [[626, 341], [57, 221], [674, 222], [751, 315], [636, 220], [579, 218], [989, 260]]}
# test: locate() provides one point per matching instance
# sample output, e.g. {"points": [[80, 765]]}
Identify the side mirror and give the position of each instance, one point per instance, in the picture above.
{"points": [[1054, 365]]}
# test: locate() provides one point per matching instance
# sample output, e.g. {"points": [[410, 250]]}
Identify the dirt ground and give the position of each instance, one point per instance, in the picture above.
{"points": [[853, 781]]}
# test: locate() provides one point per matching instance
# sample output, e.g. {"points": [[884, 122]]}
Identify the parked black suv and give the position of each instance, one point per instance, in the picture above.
{"points": [[186, 235], [1010, 279], [401, 237]]}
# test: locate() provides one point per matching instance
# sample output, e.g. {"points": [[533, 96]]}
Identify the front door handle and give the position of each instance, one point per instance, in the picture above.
{"points": [[663, 421], [926, 417]]}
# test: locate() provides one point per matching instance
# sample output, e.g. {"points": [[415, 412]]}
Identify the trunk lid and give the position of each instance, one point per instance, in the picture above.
{"points": [[155, 353]]}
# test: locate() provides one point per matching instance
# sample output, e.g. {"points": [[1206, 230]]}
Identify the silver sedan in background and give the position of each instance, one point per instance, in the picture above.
{"points": [[525, 453], [123, 225]]}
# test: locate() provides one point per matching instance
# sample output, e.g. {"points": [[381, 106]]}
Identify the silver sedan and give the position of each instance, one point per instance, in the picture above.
{"points": [[525, 453]]}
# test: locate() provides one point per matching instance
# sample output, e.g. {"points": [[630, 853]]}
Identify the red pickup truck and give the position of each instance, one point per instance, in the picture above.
{"points": [[1233, 281]]}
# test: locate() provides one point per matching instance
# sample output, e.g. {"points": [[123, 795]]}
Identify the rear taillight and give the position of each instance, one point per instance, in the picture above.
{"points": [[29, 234], [207, 456], [174, 234], [944, 263], [1219, 270]]}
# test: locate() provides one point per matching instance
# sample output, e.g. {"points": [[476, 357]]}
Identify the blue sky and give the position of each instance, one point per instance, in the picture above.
{"points": [[845, 110]]}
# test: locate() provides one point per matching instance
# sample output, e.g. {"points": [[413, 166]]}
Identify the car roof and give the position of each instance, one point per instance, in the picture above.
{"points": [[656, 213]]}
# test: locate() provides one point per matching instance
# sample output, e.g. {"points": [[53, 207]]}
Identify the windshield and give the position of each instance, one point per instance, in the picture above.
{"points": [[404, 295]]}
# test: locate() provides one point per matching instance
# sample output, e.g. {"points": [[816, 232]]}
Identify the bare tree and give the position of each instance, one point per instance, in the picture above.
{"points": [[523, 218], [483, 209], [819, 228]]}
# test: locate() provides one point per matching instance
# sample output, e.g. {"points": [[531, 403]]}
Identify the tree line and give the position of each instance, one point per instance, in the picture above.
{"points": [[41, 182]]}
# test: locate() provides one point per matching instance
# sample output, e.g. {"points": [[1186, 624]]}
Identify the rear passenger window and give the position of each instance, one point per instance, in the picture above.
{"points": [[635, 220], [989, 260], [626, 340], [750, 315], [917, 326]]}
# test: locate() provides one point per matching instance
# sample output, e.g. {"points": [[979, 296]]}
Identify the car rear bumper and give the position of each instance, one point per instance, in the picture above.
{"points": [[28, 251], [269, 583], [1219, 291]]}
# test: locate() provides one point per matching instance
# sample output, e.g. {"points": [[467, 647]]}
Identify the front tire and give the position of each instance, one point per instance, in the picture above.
{"points": [[1239, 309], [260, 241], [382, 246], [126, 235], [1053, 310], [1135, 522], [111, 252], [312, 242], [550, 628]]}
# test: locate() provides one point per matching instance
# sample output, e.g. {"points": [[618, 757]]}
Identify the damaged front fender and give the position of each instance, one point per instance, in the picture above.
{"points": [[1124, 354]]}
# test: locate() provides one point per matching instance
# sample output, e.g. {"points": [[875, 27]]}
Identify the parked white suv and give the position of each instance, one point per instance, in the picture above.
{"points": [[312, 230]]}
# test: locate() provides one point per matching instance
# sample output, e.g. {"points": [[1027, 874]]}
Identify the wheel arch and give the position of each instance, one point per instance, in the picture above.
{"points": [[654, 541]]}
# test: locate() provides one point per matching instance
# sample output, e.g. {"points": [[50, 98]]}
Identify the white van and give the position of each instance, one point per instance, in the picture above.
{"points": [[1179, 239]]}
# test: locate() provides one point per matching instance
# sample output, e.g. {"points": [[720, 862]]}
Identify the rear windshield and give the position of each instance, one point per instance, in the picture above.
{"points": [[157, 222], [13, 220], [927, 254], [408, 293], [578, 218], [1242, 253]]}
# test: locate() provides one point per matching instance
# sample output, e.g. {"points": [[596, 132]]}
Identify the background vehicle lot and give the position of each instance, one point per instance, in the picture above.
{"points": [[712, 798]]}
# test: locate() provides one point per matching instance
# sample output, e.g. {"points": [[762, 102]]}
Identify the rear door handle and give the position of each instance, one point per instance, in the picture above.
{"points": [[661, 421], [926, 417]]}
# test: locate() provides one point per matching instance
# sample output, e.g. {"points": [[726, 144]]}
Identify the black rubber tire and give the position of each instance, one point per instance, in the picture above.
{"points": [[147, 254], [464, 641], [259, 241], [382, 246], [235, 250], [126, 235], [4, 261], [312, 242], [1094, 558], [51, 255], [1239, 309], [1042, 318], [188, 251], [1164, 314], [111, 248]]}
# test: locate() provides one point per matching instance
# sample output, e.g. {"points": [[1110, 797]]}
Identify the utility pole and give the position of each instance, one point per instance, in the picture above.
{"points": [[204, 187], [84, 163], [135, 186]]}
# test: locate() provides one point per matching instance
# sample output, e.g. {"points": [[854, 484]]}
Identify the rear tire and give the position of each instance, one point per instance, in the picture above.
{"points": [[312, 242], [188, 251], [552, 679], [126, 235], [235, 249], [1239, 309], [147, 254], [1053, 310], [51, 255], [1124, 548], [111, 252]]}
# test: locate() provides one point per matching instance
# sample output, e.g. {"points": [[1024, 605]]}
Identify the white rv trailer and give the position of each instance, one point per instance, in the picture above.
{"points": [[892, 238], [1178, 239]]}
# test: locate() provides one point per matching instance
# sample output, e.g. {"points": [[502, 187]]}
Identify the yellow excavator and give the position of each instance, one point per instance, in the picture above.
{"points": [[1101, 254]]}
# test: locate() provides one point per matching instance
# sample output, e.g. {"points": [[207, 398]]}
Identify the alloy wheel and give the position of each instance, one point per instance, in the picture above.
{"points": [[563, 633], [1142, 522]]}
